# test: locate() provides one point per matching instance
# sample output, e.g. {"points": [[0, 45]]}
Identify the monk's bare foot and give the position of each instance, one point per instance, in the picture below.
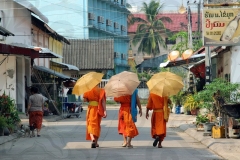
{"points": [[130, 146], [160, 144], [124, 144]]}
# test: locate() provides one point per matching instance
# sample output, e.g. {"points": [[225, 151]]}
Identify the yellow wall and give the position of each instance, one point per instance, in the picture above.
{"points": [[56, 47]]}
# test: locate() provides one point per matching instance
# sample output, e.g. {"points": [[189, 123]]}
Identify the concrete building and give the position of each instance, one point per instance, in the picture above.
{"points": [[18, 54], [91, 19]]}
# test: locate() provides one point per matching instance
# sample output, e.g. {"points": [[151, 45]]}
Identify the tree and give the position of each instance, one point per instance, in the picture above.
{"points": [[150, 30], [183, 44], [130, 15]]}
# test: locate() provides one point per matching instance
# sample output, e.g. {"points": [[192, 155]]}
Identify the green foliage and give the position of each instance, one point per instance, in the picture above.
{"points": [[111, 102], [144, 76], [183, 44], [149, 31], [191, 102], [179, 98], [229, 92], [201, 119], [3, 122], [8, 110]]}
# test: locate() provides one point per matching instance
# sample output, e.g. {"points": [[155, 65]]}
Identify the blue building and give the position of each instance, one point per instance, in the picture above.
{"points": [[91, 19], [108, 19]]}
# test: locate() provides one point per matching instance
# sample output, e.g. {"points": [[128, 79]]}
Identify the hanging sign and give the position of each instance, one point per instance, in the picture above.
{"points": [[221, 26]]}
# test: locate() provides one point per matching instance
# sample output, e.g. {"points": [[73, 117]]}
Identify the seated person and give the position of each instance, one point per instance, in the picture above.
{"points": [[46, 110]]}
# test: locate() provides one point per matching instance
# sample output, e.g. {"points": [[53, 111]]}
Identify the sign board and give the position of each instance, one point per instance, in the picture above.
{"points": [[221, 26]]}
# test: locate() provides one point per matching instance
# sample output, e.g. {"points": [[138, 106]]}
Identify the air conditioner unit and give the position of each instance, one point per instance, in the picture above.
{"points": [[99, 19], [102, 20], [109, 22], [116, 25], [91, 16], [122, 56], [123, 28], [117, 55]]}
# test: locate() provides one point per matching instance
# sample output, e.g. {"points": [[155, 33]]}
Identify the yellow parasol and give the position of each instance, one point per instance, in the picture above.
{"points": [[87, 82], [165, 84], [122, 84]]}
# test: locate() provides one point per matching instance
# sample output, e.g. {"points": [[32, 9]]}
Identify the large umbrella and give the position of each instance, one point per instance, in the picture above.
{"points": [[87, 82], [122, 84], [165, 84]]}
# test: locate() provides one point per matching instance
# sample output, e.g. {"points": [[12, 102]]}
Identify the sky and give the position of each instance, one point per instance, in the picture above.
{"points": [[169, 5]]}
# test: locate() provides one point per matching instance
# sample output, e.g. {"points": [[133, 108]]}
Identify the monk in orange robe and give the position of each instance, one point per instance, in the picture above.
{"points": [[96, 110], [126, 125], [159, 117]]}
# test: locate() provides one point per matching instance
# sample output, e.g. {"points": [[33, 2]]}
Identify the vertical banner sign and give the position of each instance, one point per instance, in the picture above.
{"points": [[221, 26]]}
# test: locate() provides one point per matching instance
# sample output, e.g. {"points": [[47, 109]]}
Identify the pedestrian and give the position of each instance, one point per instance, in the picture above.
{"points": [[126, 125], [95, 112], [159, 117], [35, 111]]}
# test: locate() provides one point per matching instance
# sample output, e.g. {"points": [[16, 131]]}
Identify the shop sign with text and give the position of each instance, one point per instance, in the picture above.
{"points": [[221, 26]]}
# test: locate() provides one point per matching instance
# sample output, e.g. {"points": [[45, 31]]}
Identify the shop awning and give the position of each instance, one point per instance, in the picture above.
{"points": [[202, 61], [180, 61], [43, 52], [47, 53], [15, 50], [52, 72], [64, 66], [5, 32]]}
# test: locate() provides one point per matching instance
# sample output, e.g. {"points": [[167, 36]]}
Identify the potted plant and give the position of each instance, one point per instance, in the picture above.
{"points": [[3, 124], [178, 100], [201, 120], [9, 112], [228, 90], [191, 104]]}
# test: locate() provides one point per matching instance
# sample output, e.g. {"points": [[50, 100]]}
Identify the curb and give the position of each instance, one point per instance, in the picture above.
{"points": [[5, 139], [9, 138], [226, 148]]}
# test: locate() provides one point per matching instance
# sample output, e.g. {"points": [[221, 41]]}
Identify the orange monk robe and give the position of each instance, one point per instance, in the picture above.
{"points": [[126, 126], [94, 112], [158, 124]]}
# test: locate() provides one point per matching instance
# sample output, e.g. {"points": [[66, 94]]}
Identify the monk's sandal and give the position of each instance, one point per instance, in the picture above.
{"points": [[156, 141]]}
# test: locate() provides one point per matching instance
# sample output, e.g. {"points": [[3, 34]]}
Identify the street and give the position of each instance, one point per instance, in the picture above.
{"points": [[65, 139]]}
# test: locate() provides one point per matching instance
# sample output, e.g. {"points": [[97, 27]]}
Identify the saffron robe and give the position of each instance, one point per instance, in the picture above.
{"points": [[159, 116], [94, 112], [126, 126]]}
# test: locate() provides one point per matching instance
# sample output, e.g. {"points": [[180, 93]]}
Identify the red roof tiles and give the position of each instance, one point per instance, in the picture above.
{"points": [[175, 26]]}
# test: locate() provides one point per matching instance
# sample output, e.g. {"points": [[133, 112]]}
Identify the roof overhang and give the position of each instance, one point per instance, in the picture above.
{"points": [[52, 72], [32, 9], [64, 65], [47, 53], [43, 52], [5, 32], [181, 62], [48, 30], [16, 50], [202, 61]]}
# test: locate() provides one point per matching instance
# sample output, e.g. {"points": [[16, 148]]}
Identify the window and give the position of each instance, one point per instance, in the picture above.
{"points": [[167, 41]]}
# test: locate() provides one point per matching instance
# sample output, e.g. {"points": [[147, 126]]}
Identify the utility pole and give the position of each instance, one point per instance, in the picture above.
{"points": [[199, 19]]}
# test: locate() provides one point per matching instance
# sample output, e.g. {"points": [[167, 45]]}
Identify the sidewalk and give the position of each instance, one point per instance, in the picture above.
{"points": [[24, 120], [224, 147]]}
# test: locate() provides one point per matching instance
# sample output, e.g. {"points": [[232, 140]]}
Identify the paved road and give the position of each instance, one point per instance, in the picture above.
{"points": [[66, 140]]}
